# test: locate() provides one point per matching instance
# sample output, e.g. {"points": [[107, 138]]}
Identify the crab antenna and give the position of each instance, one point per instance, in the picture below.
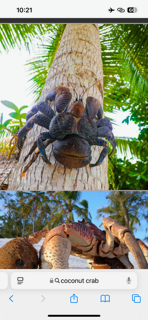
{"points": [[90, 87], [68, 80], [51, 214], [55, 217], [59, 204]]}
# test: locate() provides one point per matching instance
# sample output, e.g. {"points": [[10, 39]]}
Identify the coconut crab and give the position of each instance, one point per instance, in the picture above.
{"points": [[104, 249], [73, 130]]}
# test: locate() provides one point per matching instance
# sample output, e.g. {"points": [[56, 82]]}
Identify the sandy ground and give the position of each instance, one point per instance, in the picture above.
{"points": [[74, 262]]}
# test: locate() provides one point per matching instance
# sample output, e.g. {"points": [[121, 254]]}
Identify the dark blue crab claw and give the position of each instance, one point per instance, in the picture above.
{"points": [[104, 132], [93, 107], [103, 154], [100, 112], [107, 133], [51, 94], [62, 97], [105, 122], [62, 100]]}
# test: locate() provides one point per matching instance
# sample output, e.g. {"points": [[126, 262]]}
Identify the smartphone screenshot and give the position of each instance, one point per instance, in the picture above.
{"points": [[73, 160]]}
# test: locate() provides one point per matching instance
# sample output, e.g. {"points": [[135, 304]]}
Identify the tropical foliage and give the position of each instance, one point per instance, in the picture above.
{"points": [[19, 35], [66, 207], [17, 119], [27, 212], [127, 207], [23, 213], [125, 60]]}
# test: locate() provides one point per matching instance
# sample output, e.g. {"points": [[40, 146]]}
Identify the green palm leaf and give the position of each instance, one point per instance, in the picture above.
{"points": [[18, 35], [40, 64], [125, 60]]}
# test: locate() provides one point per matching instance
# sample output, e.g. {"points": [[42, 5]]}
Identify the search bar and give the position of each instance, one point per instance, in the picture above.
{"points": [[74, 280]]}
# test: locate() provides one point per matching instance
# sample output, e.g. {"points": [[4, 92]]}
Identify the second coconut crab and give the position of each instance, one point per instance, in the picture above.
{"points": [[106, 249]]}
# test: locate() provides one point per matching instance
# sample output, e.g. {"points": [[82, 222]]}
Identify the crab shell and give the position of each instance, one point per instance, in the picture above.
{"points": [[72, 152]]}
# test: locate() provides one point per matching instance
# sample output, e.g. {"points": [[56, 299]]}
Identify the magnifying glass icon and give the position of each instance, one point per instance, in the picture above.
{"points": [[57, 280]]}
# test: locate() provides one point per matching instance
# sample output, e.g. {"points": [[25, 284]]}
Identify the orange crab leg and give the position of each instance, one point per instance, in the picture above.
{"points": [[37, 236], [126, 237]]}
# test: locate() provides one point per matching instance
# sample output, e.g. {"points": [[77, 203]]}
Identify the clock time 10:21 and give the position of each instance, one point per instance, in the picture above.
{"points": [[26, 10]]}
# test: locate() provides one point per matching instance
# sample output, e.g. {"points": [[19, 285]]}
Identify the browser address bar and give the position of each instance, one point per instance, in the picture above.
{"points": [[74, 280]]}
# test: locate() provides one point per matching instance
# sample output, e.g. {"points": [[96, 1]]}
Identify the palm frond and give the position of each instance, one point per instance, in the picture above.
{"points": [[41, 63], [125, 60], [16, 35], [135, 146]]}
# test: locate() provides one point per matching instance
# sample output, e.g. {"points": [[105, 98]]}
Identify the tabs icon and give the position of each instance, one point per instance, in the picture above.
{"points": [[136, 298]]}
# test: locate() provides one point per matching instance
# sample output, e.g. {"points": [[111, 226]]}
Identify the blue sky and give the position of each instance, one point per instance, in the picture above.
{"points": [[97, 200]]}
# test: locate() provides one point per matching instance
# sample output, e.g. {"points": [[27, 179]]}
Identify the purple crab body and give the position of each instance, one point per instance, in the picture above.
{"points": [[73, 130]]}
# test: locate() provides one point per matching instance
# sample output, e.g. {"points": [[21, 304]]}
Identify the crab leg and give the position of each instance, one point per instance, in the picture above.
{"points": [[39, 119], [42, 107], [124, 259], [37, 236], [144, 248], [103, 154], [126, 238], [107, 133], [42, 137]]}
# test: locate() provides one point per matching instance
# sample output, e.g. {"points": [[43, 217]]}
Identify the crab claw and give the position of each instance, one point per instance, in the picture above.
{"points": [[62, 97], [60, 241], [126, 237]]}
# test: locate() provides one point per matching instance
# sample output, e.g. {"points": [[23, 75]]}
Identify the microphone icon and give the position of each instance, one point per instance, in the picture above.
{"points": [[128, 280]]}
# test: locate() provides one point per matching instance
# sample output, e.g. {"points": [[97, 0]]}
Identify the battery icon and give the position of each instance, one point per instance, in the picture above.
{"points": [[132, 9]]}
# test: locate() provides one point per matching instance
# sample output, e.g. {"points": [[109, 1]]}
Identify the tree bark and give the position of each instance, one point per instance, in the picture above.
{"points": [[78, 65]]}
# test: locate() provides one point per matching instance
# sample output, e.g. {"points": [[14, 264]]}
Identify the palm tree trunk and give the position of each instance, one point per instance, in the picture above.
{"points": [[33, 227], [78, 62], [124, 209], [23, 227]]}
